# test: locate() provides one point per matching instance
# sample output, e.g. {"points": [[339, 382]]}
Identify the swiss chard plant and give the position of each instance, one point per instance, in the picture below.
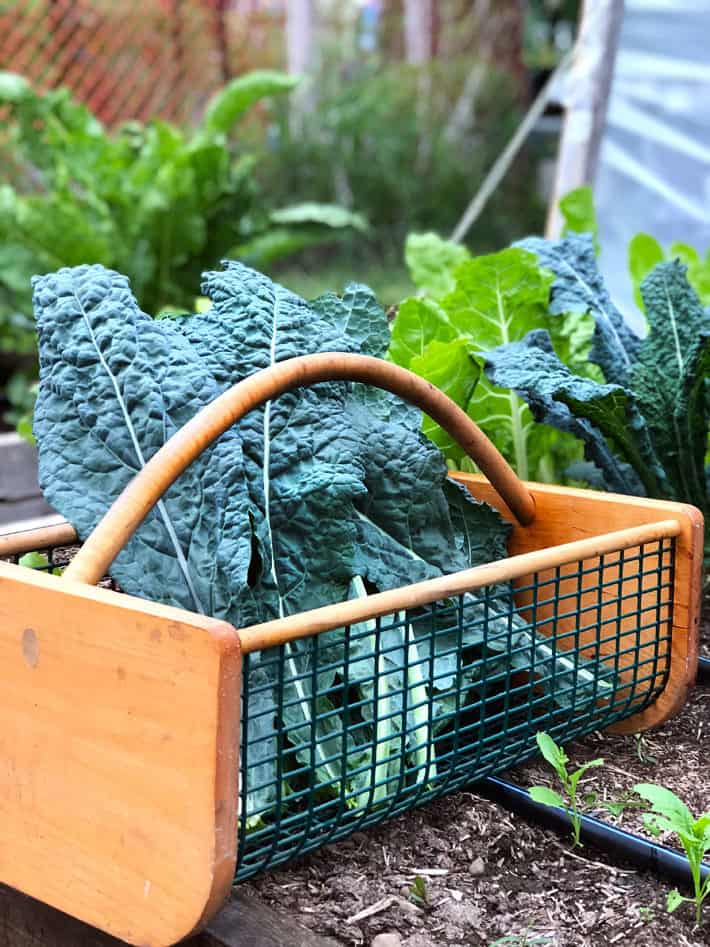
{"points": [[154, 201], [467, 306], [324, 494]]}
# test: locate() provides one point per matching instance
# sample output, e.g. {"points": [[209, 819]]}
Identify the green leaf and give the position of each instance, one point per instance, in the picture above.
{"points": [[674, 900], [448, 366], [667, 804], [230, 103], [432, 262], [644, 253], [419, 322], [278, 243], [327, 215], [579, 287], [554, 754], [546, 796], [34, 560], [669, 379], [358, 315], [580, 406], [577, 209]]}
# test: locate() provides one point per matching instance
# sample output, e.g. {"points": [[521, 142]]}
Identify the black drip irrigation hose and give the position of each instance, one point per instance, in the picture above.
{"points": [[704, 671], [640, 852]]}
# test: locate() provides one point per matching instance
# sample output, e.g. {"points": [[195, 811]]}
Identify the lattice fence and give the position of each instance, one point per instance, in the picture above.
{"points": [[138, 58]]}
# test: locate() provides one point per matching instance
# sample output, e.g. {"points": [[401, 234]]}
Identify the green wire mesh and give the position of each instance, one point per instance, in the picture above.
{"points": [[350, 727]]}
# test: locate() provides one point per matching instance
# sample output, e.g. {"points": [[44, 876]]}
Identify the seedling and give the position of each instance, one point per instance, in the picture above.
{"points": [[37, 560], [558, 760], [670, 814], [418, 892]]}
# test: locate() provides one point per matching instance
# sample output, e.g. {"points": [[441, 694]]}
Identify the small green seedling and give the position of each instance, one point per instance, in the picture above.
{"points": [[617, 807], [558, 760], [670, 814], [37, 560], [418, 893]]}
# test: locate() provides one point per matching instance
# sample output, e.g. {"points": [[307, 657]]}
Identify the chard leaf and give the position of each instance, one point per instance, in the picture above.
{"points": [[230, 103], [114, 385], [669, 378], [450, 367], [579, 287], [495, 299], [577, 208], [590, 411], [419, 322], [432, 261], [644, 253]]}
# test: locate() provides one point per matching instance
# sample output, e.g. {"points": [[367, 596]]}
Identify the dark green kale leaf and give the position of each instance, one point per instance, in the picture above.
{"points": [[668, 378], [600, 415], [579, 287]]}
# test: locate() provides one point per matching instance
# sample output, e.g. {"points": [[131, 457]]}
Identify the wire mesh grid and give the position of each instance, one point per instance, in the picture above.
{"points": [[347, 728]]}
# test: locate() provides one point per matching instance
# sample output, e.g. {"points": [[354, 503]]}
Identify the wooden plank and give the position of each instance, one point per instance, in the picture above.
{"points": [[243, 922], [565, 514], [118, 756]]}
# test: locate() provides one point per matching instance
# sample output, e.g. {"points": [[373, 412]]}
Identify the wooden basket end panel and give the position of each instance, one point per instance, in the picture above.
{"points": [[565, 514], [685, 626], [118, 756]]}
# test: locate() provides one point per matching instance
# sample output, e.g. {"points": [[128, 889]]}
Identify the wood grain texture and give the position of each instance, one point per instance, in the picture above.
{"points": [[165, 466], [566, 514], [118, 756], [243, 922]]}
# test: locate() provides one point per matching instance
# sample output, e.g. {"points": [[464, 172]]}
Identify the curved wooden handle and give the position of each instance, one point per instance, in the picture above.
{"points": [[147, 487]]}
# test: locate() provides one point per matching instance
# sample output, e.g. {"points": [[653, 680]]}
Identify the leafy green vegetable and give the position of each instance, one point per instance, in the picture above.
{"points": [[323, 494], [475, 305], [153, 201], [579, 288], [580, 216], [645, 252], [431, 262], [645, 431], [239, 95], [668, 379]]}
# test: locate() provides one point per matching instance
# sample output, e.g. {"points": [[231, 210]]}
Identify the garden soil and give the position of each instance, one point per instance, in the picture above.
{"points": [[491, 878]]}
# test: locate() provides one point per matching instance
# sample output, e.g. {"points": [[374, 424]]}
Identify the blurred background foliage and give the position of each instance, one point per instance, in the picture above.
{"points": [[402, 107]]}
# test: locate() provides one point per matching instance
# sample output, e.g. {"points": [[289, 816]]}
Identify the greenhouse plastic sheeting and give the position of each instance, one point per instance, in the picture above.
{"points": [[654, 171]]}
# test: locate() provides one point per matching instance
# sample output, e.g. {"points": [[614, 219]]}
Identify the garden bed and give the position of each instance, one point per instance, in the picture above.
{"points": [[489, 875]]}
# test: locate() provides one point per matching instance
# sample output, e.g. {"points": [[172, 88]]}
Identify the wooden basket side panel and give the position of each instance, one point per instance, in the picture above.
{"points": [[118, 756], [564, 515]]}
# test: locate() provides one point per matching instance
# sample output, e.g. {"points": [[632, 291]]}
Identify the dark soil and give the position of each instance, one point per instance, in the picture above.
{"points": [[493, 879]]}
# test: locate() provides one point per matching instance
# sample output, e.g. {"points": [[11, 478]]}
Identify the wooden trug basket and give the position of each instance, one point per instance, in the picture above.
{"points": [[120, 736]]}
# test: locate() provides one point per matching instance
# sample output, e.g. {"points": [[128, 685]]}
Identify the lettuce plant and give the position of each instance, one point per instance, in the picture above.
{"points": [[324, 494]]}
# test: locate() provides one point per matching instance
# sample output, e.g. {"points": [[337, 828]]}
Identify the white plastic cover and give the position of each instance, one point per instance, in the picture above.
{"points": [[654, 169]]}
